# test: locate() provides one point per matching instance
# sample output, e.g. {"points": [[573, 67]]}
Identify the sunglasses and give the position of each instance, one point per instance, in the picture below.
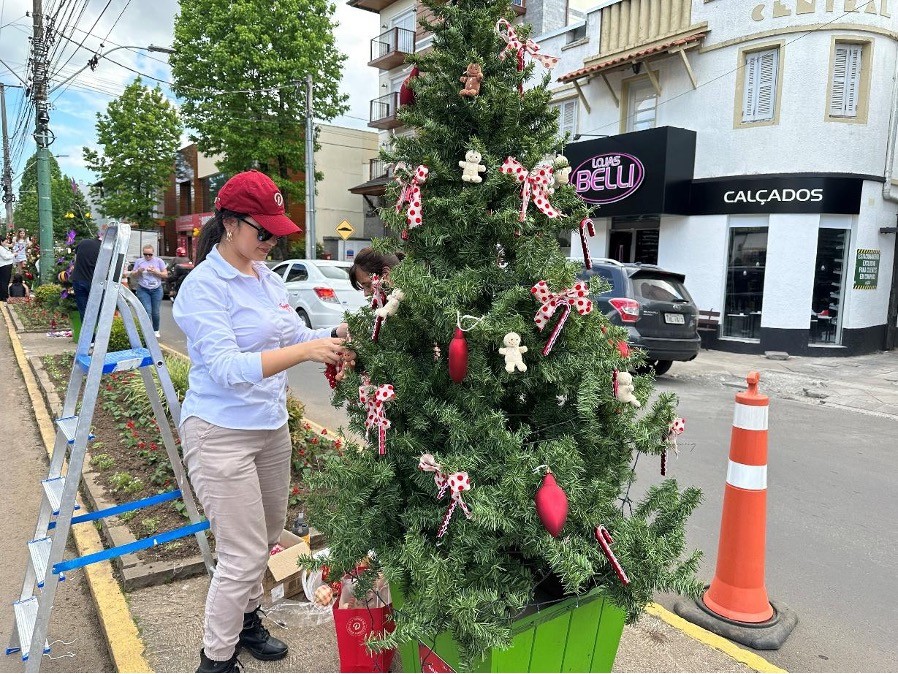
{"points": [[148, 255], [262, 234]]}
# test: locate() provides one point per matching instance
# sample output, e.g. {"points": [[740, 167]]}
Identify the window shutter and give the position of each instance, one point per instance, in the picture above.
{"points": [[759, 96], [837, 100], [567, 117], [853, 79]]}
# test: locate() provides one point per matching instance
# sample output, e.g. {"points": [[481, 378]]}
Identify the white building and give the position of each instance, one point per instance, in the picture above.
{"points": [[749, 145], [760, 137]]}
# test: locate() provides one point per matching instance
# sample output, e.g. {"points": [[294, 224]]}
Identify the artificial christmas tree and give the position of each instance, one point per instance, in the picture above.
{"points": [[484, 250]]}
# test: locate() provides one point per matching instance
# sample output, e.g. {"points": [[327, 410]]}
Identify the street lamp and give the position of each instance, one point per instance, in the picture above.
{"points": [[95, 60]]}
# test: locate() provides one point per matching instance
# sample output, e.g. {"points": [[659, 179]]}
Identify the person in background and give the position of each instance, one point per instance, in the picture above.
{"points": [[369, 262], [150, 271], [86, 253], [18, 287], [20, 249], [6, 265], [242, 336]]}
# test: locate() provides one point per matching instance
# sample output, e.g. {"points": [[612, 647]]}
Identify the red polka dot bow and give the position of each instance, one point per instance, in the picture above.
{"points": [[378, 299], [677, 427], [536, 183], [411, 193], [575, 297], [456, 483], [374, 399], [514, 45]]}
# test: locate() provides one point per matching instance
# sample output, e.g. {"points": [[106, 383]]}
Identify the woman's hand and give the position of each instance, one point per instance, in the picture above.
{"points": [[325, 350], [348, 357]]}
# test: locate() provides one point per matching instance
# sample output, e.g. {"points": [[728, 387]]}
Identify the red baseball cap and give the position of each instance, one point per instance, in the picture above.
{"points": [[253, 193]]}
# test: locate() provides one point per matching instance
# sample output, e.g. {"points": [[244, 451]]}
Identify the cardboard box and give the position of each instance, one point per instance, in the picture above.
{"points": [[283, 578]]}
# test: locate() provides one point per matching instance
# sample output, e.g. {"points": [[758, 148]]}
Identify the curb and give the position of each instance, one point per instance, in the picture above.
{"points": [[725, 646], [122, 637]]}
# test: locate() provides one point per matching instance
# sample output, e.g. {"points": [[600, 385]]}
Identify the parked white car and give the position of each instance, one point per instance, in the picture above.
{"points": [[319, 290]]}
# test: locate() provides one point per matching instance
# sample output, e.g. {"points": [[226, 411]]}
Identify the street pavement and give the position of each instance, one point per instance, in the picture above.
{"points": [[831, 505]]}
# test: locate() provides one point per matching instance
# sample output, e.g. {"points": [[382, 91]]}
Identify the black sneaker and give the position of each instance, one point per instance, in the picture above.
{"points": [[231, 665], [258, 641]]}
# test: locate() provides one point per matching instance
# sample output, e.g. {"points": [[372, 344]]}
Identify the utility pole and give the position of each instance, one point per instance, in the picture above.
{"points": [[310, 174], [7, 169], [43, 137]]}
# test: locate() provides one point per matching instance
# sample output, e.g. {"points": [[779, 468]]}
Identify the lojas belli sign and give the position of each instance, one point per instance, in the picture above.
{"points": [[638, 173]]}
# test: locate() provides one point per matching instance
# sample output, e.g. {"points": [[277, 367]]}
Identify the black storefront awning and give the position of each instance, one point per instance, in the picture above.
{"points": [[651, 173]]}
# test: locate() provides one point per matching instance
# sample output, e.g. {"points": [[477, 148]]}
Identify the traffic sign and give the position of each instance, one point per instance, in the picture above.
{"points": [[345, 230]]}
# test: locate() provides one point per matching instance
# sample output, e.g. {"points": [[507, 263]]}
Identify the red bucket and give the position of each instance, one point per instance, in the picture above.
{"points": [[353, 626]]}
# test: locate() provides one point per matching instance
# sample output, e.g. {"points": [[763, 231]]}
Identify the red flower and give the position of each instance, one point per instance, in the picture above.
{"points": [[323, 431], [295, 490], [338, 443], [130, 424], [154, 446], [314, 441], [141, 444], [302, 452]]}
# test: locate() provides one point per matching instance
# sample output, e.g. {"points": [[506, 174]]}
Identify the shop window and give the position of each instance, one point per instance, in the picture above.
{"points": [[642, 105], [745, 282], [849, 82], [567, 117], [211, 185], [759, 77], [829, 286], [634, 240]]}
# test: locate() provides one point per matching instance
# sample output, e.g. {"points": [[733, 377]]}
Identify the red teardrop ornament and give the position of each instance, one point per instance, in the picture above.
{"points": [[458, 356], [551, 505], [623, 349]]}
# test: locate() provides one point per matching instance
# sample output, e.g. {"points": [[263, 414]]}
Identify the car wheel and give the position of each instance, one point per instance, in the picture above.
{"points": [[661, 366], [305, 317]]}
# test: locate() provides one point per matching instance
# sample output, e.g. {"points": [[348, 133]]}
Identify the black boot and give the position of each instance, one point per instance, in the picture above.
{"points": [[207, 665], [257, 640]]}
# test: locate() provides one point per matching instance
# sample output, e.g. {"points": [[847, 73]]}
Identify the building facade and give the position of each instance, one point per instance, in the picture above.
{"points": [[189, 199], [749, 145]]}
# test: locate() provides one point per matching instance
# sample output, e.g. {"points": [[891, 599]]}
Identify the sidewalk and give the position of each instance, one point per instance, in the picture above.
{"points": [[170, 617]]}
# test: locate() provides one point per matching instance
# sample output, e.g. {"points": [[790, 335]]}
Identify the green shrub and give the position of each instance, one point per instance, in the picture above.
{"points": [[118, 337], [47, 295], [102, 462]]}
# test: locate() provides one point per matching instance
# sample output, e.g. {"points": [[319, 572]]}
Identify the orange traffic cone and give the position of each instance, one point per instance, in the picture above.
{"points": [[736, 604], [738, 591]]}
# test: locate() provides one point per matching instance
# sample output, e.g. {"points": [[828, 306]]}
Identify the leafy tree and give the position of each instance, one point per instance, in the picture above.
{"points": [[139, 134], [472, 255], [240, 68], [66, 201]]}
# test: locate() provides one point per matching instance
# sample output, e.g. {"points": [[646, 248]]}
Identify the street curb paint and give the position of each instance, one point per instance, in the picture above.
{"points": [[725, 646], [123, 640]]}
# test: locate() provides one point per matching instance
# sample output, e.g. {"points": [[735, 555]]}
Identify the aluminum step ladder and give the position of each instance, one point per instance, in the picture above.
{"points": [[47, 565]]}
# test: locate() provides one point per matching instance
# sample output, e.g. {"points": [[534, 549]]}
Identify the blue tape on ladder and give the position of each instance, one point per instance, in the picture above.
{"points": [[120, 550], [124, 507]]}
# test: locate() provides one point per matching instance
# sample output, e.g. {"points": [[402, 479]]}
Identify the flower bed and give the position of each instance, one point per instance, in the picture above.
{"points": [[129, 455], [36, 317]]}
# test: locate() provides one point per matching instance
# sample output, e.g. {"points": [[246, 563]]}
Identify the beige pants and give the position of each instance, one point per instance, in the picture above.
{"points": [[242, 480]]}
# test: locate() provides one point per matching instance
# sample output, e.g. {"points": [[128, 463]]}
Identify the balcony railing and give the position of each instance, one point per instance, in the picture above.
{"points": [[383, 112], [389, 49]]}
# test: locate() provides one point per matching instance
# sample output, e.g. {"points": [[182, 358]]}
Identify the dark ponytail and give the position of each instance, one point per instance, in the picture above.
{"points": [[212, 233]]}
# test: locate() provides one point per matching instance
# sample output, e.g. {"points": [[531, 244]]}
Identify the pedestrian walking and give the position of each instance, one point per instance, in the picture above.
{"points": [[20, 249], [242, 336], [86, 253], [369, 262], [6, 264], [150, 272]]}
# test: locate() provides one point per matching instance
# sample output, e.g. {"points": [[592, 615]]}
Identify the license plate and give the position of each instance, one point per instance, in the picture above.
{"points": [[675, 319]]}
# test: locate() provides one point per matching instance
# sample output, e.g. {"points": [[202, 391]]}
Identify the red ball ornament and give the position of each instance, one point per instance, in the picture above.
{"points": [[551, 505], [458, 356], [406, 95]]}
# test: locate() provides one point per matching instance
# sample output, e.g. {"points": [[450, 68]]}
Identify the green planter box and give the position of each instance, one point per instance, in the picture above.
{"points": [[75, 320], [576, 635]]}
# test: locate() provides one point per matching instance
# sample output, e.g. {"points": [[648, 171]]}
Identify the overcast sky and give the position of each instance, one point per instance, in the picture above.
{"points": [[137, 23]]}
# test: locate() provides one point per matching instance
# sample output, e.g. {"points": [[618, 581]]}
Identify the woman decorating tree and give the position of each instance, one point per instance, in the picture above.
{"points": [[242, 336]]}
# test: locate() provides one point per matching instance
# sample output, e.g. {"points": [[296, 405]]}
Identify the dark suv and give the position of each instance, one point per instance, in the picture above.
{"points": [[654, 306]]}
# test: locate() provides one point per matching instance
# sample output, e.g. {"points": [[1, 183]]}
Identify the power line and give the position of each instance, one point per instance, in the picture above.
{"points": [[96, 21]]}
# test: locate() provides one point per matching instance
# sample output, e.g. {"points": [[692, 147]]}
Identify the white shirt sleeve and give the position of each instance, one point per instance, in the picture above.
{"points": [[204, 318]]}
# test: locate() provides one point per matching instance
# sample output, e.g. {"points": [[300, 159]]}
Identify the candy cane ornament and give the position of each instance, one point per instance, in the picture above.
{"points": [[378, 300], [605, 541], [374, 400], [587, 226], [535, 183], [575, 297], [457, 483]]}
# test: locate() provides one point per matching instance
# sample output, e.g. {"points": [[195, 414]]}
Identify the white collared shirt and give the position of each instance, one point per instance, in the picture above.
{"points": [[229, 319]]}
